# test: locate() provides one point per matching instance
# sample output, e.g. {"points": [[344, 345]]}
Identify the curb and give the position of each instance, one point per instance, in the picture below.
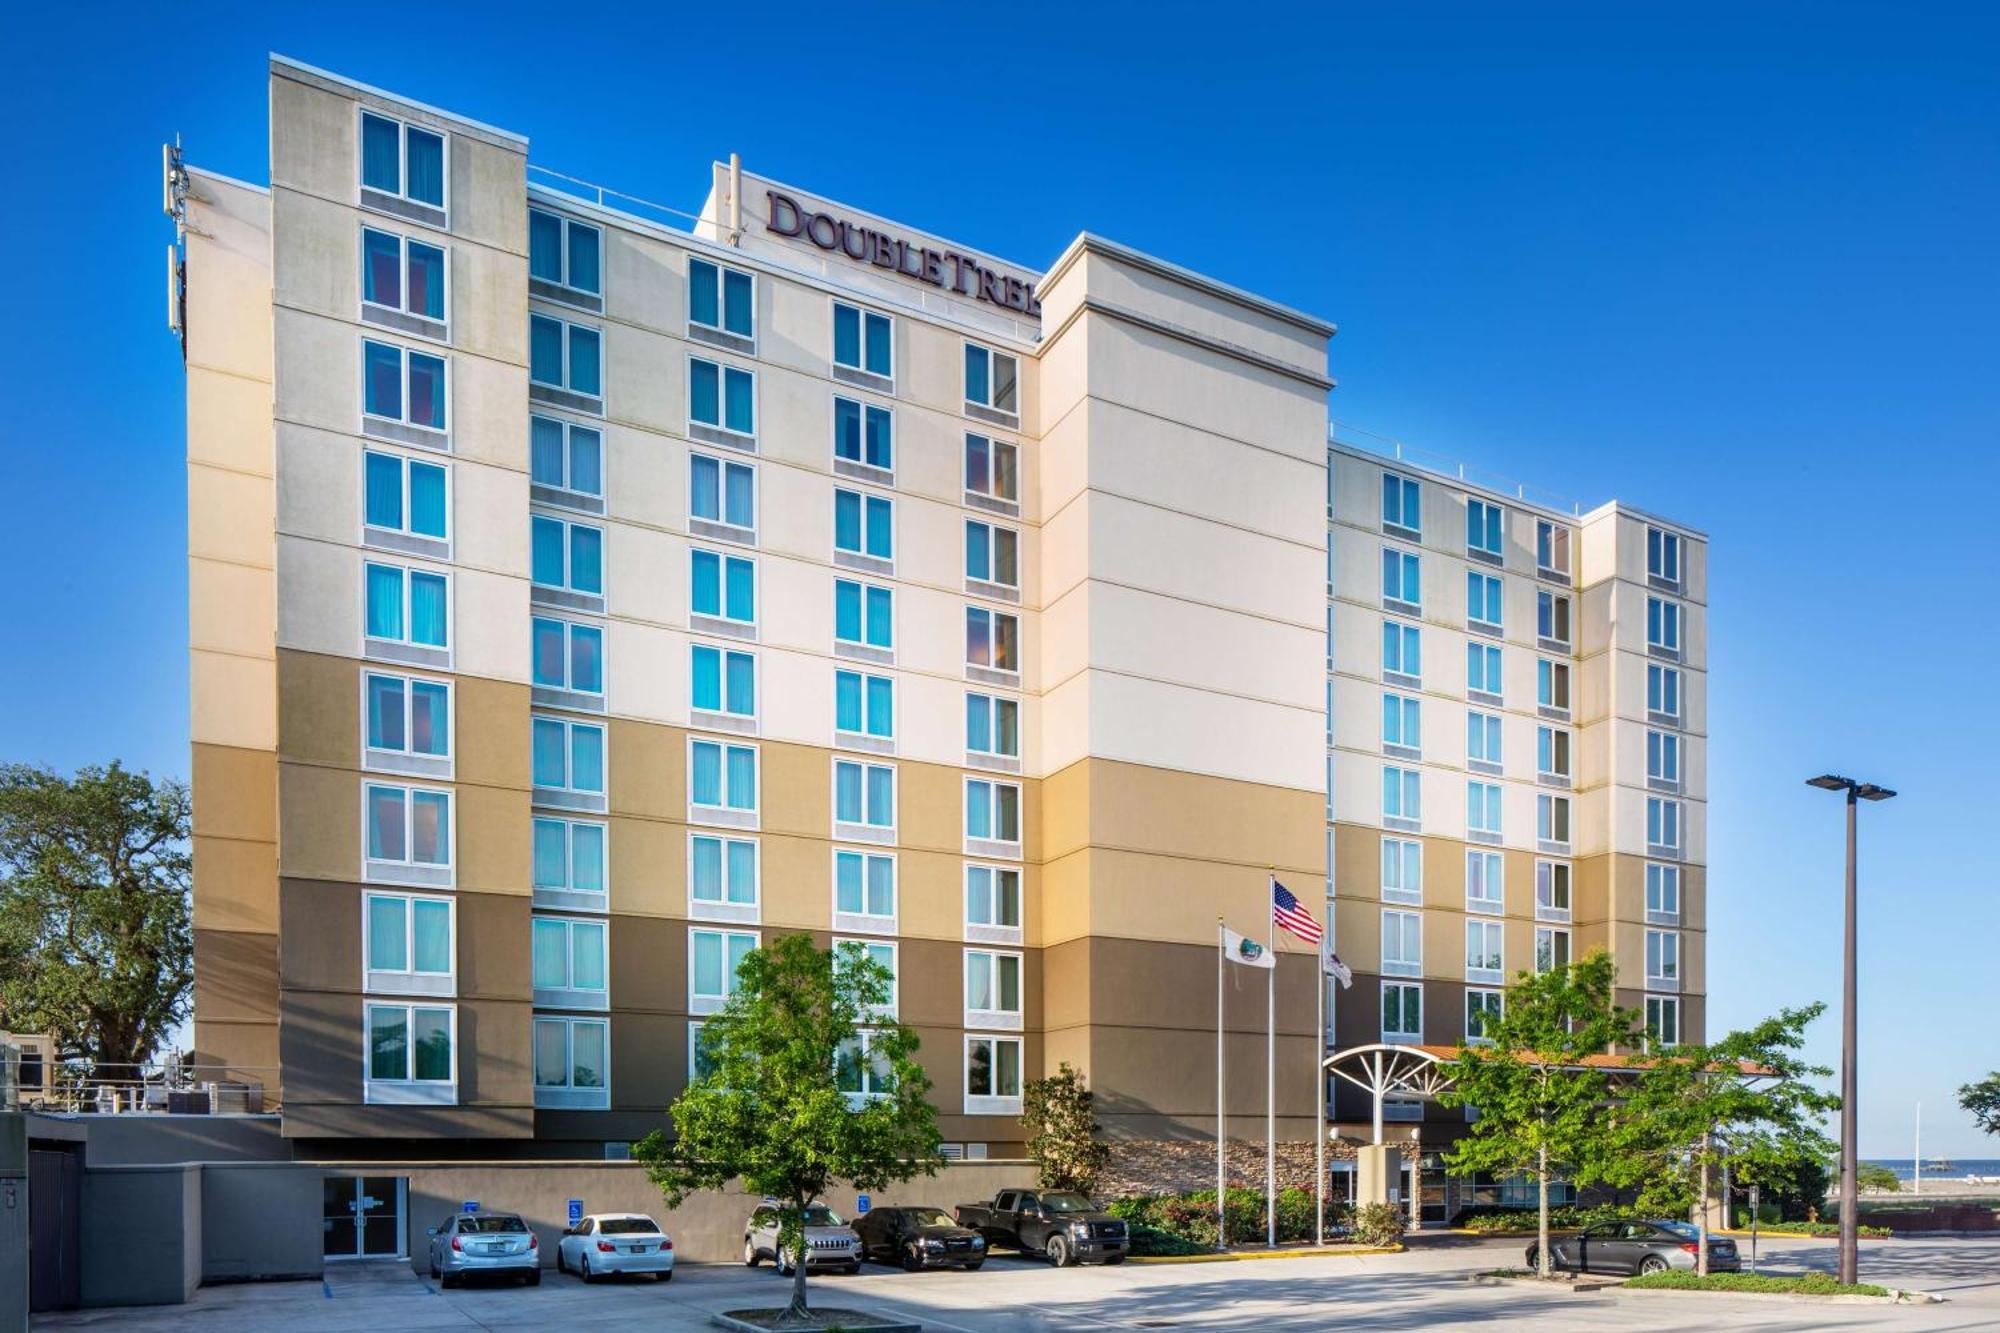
{"points": [[1349, 1251], [871, 1324], [1895, 1296]]}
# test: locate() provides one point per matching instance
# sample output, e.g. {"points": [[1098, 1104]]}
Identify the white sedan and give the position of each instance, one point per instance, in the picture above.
{"points": [[606, 1244]]}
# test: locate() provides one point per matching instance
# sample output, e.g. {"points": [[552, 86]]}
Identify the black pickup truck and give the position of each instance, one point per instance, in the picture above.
{"points": [[1062, 1224]]}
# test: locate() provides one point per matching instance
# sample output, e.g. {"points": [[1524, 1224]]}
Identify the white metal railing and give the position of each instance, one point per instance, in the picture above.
{"points": [[171, 1084]]}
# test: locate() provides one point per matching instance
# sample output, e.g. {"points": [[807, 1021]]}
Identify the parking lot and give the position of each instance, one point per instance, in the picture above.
{"points": [[1424, 1288]]}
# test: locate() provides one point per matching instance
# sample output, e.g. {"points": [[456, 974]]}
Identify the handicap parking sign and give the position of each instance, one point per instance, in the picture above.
{"points": [[575, 1211], [470, 1205], [862, 1203]]}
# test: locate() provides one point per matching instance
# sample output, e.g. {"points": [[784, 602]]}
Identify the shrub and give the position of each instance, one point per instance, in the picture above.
{"points": [[1564, 1217], [1377, 1224], [1153, 1241], [1811, 1284], [1191, 1216]]}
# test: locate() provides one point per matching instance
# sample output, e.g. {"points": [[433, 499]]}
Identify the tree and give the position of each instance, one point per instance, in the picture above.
{"points": [[1743, 1103], [1982, 1099], [1541, 1106], [1061, 1122], [1878, 1178], [804, 1080], [96, 944]]}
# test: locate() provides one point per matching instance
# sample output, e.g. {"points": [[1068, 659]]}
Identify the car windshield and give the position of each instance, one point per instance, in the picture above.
{"points": [[494, 1222], [928, 1217], [819, 1215], [1063, 1201], [628, 1226], [1682, 1229]]}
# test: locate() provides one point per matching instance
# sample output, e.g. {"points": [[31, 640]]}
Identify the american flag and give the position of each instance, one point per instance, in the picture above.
{"points": [[1286, 911]]}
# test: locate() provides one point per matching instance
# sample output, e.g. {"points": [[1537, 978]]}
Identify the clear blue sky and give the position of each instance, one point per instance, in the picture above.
{"points": [[1739, 264]]}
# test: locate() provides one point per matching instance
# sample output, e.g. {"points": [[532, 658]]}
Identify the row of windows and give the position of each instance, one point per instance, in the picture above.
{"points": [[1403, 949], [1403, 664], [1402, 731], [1402, 808], [1402, 881], [1403, 1014], [1403, 594]]}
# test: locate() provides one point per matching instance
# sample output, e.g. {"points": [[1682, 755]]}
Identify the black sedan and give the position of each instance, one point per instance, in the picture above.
{"points": [[1636, 1247], [919, 1237]]}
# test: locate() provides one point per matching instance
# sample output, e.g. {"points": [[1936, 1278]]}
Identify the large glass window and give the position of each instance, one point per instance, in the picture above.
{"points": [[722, 397], [1482, 600], [864, 524], [1552, 616], [1402, 1012], [862, 340], [1552, 757], [1663, 756], [722, 776], [1402, 650], [1663, 1021], [402, 160], [864, 433], [1663, 958], [1402, 579], [723, 680], [1552, 818], [567, 356], [715, 955], [408, 940], [1482, 807], [406, 605], [1402, 503], [1663, 690], [1551, 547], [1482, 1012], [402, 273], [1482, 737], [993, 1067], [565, 456], [405, 495], [1552, 684], [722, 298], [408, 716], [1402, 793], [723, 587], [864, 793], [1482, 949], [992, 554], [566, 555], [722, 871], [407, 827], [568, 656], [993, 725], [1663, 624], [992, 639], [568, 855], [1403, 943], [1551, 949], [992, 380], [569, 756], [411, 1043], [864, 705], [1663, 823], [721, 491], [992, 469], [1663, 555], [1482, 668], [1402, 721], [569, 955], [992, 984], [992, 810], [1402, 870], [860, 1071], [1485, 882], [572, 1053], [1483, 527], [403, 385], [1552, 888], [993, 897], [864, 613], [1663, 890], [864, 884], [565, 252]]}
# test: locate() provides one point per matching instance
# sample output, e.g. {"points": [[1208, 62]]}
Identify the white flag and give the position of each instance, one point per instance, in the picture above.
{"points": [[1244, 950], [1331, 965]]}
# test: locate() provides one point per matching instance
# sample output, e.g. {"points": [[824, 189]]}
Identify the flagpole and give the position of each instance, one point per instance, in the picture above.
{"points": [[1319, 1104], [1271, 1066], [1221, 1124]]}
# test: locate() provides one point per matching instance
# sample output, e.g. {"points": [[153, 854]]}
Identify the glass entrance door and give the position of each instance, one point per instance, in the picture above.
{"points": [[361, 1217]]}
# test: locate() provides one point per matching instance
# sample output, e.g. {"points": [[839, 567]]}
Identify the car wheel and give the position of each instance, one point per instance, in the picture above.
{"points": [[1113, 1260], [975, 1265], [1653, 1263], [434, 1268], [1058, 1252], [448, 1279], [749, 1253], [534, 1277], [667, 1276], [1535, 1258], [583, 1269], [913, 1260], [852, 1269]]}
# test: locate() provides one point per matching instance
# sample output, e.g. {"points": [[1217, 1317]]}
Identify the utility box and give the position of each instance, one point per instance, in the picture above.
{"points": [[1378, 1173]]}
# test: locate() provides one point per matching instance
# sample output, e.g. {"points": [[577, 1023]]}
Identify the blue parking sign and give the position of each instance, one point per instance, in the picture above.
{"points": [[575, 1211], [470, 1205], [862, 1203]]}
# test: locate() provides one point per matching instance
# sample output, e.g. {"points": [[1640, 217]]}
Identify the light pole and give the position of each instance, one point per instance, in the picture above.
{"points": [[1856, 793]]}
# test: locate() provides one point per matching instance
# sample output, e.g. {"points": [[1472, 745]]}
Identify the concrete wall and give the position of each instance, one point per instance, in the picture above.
{"points": [[260, 1220], [142, 1235], [159, 1140]]}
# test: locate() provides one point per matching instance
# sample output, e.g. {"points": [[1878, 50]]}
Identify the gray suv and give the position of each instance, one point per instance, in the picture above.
{"points": [[830, 1242]]}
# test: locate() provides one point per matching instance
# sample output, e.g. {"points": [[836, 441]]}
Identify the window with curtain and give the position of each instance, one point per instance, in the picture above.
{"points": [[1552, 616], [1552, 886], [992, 554], [402, 385], [1485, 881], [722, 775], [404, 494], [408, 825], [992, 639], [568, 955], [992, 379], [862, 341], [993, 725], [402, 159], [992, 810], [864, 705], [408, 935], [1402, 503], [569, 854], [721, 491], [410, 1043], [566, 555], [1551, 949], [992, 982], [565, 456], [408, 716], [568, 656], [1483, 524], [571, 1052], [1402, 870], [863, 433], [1552, 746], [993, 1067], [565, 252], [863, 613], [565, 355], [992, 468], [723, 586], [864, 884], [863, 524], [993, 896], [568, 756], [403, 274], [716, 954], [723, 397], [722, 870], [864, 793], [720, 297], [1551, 547], [1551, 683], [723, 680]]}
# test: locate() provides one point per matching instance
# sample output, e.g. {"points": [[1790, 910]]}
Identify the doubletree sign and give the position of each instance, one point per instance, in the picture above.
{"points": [[944, 269]]}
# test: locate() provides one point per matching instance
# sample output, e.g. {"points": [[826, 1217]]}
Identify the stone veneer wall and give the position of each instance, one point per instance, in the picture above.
{"points": [[1175, 1166]]}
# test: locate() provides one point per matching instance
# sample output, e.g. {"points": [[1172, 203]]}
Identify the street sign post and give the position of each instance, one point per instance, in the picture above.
{"points": [[1756, 1198]]}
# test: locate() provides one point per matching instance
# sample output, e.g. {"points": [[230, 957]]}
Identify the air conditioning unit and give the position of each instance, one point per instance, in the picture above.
{"points": [[952, 1152]]}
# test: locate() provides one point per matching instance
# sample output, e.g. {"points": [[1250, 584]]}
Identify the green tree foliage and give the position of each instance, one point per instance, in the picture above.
{"points": [[1745, 1103], [1874, 1176], [1541, 1106], [96, 945], [1982, 1099], [789, 1100], [1061, 1124]]}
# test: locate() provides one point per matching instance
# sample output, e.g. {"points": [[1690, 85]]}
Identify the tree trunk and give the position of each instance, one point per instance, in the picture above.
{"points": [[1701, 1219], [796, 1311], [1543, 1263]]}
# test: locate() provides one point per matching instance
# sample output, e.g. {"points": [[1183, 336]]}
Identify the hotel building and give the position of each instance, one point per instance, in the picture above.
{"points": [[582, 592]]}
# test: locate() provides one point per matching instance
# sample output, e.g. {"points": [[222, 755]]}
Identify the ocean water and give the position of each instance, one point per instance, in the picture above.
{"points": [[1960, 1167]]}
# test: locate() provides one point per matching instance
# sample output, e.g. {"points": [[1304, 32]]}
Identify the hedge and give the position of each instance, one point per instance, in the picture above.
{"points": [[1191, 1217], [1811, 1284]]}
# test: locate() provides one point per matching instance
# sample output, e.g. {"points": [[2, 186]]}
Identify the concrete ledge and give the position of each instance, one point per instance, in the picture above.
{"points": [[1233, 1256], [1572, 1283], [832, 1316], [1895, 1296]]}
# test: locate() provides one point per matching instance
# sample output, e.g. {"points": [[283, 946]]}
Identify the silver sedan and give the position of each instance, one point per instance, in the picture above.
{"points": [[497, 1243], [605, 1244]]}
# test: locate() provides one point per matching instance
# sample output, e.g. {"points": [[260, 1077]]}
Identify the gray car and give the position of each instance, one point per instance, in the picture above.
{"points": [[473, 1243], [1634, 1246], [830, 1242]]}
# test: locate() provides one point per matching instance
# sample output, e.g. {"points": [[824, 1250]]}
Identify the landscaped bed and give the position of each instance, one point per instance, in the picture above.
{"points": [[1809, 1284]]}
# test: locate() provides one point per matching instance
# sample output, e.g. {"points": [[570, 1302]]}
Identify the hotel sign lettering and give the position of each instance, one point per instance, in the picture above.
{"points": [[945, 269]]}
